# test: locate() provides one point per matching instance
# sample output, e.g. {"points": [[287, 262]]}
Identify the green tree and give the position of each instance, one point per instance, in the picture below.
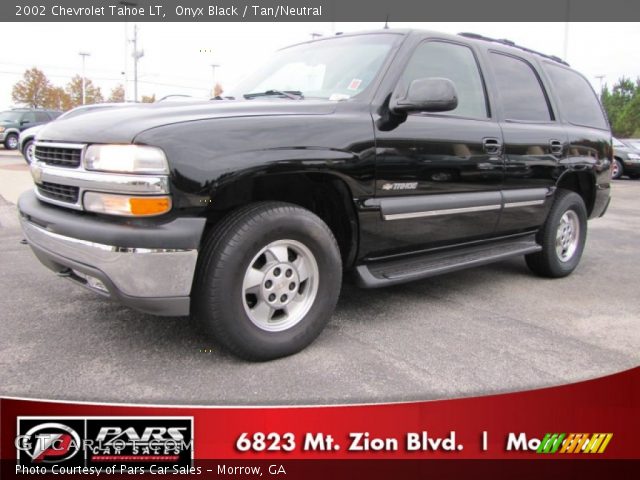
{"points": [[629, 120], [622, 106], [32, 90], [92, 93]]}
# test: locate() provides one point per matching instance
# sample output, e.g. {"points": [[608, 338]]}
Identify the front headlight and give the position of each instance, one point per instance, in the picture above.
{"points": [[633, 156], [125, 159]]}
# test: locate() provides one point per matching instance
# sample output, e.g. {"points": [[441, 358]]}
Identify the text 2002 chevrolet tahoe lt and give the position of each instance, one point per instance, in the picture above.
{"points": [[394, 155]]}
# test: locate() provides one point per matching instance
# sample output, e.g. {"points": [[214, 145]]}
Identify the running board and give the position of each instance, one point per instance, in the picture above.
{"points": [[406, 269]]}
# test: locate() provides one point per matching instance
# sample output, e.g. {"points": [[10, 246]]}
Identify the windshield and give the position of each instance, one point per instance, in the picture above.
{"points": [[9, 116], [336, 69], [634, 144]]}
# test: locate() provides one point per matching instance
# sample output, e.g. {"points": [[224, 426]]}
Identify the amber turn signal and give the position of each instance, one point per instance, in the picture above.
{"points": [[126, 205]]}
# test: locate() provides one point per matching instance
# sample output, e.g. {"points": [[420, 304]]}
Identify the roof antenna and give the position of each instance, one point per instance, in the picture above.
{"points": [[386, 22]]}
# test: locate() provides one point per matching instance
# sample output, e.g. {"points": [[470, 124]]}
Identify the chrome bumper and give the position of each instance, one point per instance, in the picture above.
{"points": [[152, 280]]}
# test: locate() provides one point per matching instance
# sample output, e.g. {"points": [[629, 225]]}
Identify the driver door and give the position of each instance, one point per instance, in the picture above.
{"points": [[438, 175]]}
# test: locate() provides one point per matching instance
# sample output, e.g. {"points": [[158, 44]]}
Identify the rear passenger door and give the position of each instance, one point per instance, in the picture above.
{"points": [[535, 142]]}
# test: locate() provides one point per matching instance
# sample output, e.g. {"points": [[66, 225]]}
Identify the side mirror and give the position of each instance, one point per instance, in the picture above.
{"points": [[425, 95]]}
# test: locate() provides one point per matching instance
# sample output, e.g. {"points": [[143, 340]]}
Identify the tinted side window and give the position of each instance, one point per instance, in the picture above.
{"points": [[29, 117], [520, 89], [458, 64], [42, 117], [577, 99]]}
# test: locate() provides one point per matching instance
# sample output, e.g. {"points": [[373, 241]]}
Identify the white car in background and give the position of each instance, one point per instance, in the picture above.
{"points": [[26, 142]]}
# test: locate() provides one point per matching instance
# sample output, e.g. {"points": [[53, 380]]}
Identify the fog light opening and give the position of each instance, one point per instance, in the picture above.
{"points": [[92, 282]]}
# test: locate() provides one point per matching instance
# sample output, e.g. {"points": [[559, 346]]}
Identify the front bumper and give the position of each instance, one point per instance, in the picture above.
{"points": [[149, 268]]}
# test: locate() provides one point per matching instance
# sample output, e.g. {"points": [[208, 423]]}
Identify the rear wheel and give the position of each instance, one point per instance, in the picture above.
{"points": [[562, 237], [11, 142], [268, 280]]}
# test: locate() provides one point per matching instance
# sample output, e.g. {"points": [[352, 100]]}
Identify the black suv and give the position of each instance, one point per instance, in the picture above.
{"points": [[12, 122], [391, 156]]}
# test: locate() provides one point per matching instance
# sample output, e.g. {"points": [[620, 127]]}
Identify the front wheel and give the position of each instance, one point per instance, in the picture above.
{"points": [[562, 237], [268, 280], [11, 142], [28, 150]]}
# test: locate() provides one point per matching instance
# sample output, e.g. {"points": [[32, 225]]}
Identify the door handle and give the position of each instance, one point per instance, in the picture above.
{"points": [[556, 147], [492, 146]]}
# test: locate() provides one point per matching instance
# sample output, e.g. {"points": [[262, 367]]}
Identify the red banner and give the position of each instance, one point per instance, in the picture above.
{"points": [[592, 420]]}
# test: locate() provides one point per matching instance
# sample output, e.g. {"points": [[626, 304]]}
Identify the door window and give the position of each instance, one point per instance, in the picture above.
{"points": [[28, 117], [523, 98], [458, 64], [42, 117]]}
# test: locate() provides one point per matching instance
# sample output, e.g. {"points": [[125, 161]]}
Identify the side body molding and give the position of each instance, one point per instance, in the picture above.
{"points": [[417, 206]]}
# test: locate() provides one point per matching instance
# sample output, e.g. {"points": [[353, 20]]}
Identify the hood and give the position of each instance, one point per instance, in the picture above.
{"points": [[122, 125], [30, 132]]}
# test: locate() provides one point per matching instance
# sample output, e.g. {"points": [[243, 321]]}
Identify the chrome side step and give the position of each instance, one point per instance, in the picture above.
{"points": [[406, 269]]}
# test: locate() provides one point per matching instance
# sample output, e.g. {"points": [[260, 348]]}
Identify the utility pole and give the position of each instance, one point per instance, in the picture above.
{"points": [[126, 59], [126, 50], [565, 48], [137, 55], [213, 79], [213, 73], [84, 55], [601, 78]]}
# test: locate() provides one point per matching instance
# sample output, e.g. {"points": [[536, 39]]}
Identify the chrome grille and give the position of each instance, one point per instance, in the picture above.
{"points": [[59, 156], [62, 193]]}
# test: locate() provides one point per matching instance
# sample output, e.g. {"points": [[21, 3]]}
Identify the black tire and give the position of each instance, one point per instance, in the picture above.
{"points": [[25, 151], [220, 303], [616, 169], [548, 262], [11, 141]]}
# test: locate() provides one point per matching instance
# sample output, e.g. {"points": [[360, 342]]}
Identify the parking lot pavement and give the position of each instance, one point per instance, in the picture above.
{"points": [[487, 330], [14, 175]]}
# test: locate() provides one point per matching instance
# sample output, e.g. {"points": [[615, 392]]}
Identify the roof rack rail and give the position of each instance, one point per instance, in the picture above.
{"points": [[510, 43]]}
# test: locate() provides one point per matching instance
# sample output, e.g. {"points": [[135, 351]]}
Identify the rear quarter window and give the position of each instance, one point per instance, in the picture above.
{"points": [[578, 101]]}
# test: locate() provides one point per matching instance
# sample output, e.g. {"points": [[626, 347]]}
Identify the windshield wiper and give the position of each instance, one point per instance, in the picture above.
{"points": [[292, 94]]}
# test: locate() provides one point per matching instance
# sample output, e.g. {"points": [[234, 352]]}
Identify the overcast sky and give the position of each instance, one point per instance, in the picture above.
{"points": [[178, 56]]}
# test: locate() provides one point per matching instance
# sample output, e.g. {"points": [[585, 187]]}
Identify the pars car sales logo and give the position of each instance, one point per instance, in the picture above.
{"points": [[77, 442]]}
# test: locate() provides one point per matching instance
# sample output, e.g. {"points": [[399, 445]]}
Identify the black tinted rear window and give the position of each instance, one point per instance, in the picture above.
{"points": [[577, 99], [523, 98]]}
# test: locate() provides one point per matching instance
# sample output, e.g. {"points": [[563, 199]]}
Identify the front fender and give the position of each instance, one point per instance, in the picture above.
{"points": [[207, 157]]}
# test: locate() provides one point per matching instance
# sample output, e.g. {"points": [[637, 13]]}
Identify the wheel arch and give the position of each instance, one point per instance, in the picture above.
{"points": [[581, 182], [323, 193]]}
